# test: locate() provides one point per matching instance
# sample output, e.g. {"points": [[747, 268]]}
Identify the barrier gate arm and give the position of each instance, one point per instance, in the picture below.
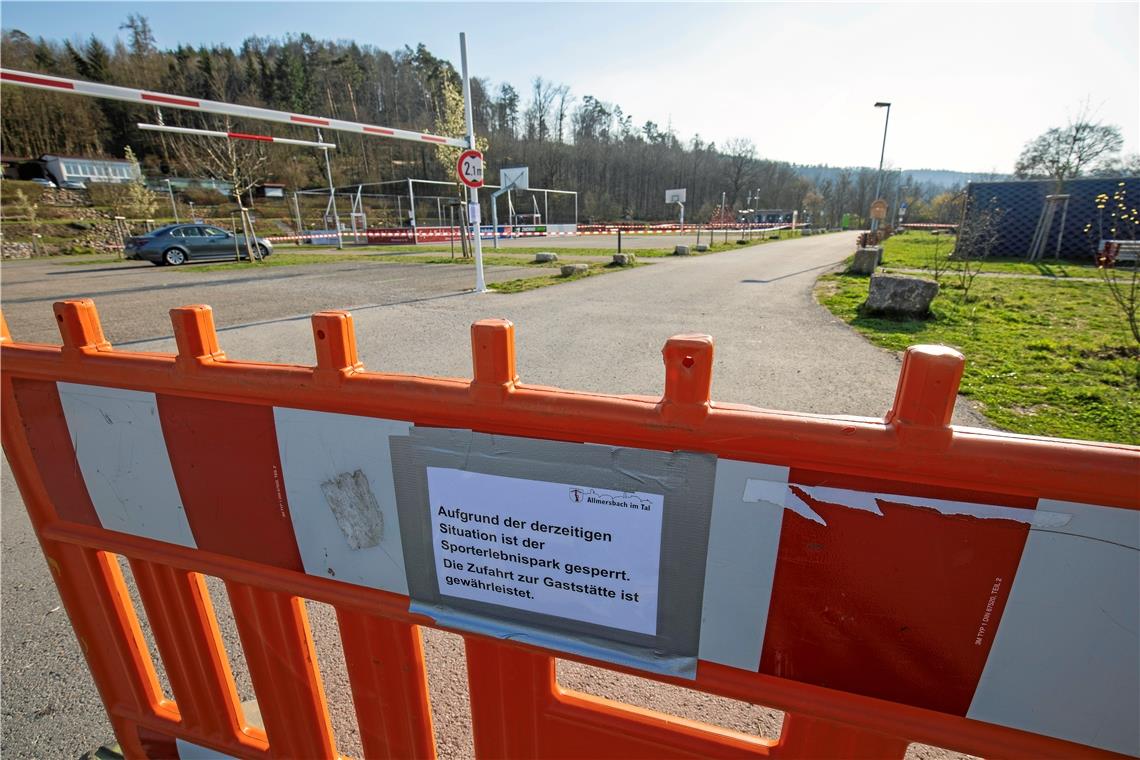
{"points": [[37, 81], [517, 707]]}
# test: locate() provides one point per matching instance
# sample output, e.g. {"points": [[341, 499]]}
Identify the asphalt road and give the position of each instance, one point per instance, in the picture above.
{"points": [[775, 347], [628, 241]]}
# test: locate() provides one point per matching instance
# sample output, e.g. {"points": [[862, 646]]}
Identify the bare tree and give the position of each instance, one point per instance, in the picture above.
{"points": [[543, 95], [1123, 225], [976, 240], [242, 163], [1062, 153], [741, 154], [565, 100]]}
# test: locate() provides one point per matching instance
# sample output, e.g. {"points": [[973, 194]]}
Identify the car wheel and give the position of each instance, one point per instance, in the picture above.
{"points": [[262, 251], [173, 256]]}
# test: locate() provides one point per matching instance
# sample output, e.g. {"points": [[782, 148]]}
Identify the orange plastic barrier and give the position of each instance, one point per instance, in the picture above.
{"points": [[881, 581]]}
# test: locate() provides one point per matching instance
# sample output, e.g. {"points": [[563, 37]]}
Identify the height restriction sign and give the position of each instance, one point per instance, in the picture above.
{"points": [[470, 168]]}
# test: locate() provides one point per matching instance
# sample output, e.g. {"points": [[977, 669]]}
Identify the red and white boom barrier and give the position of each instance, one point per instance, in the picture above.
{"points": [[232, 135], [145, 97]]}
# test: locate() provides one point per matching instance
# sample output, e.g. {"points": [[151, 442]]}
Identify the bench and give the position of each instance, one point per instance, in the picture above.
{"points": [[1117, 251]]}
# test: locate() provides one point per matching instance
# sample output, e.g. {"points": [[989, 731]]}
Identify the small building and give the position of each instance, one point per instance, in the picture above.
{"points": [[11, 166], [271, 190], [88, 170], [765, 216], [16, 167]]}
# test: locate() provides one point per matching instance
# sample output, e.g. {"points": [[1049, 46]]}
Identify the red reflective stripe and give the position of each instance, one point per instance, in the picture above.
{"points": [[50, 444], [172, 101], [225, 461], [905, 626], [379, 131], [36, 80], [433, 138], [309, 120], [244, 136]]}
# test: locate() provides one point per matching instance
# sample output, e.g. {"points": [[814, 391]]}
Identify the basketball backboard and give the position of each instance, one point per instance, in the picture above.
{"points": [[515, 177], [675, 196]]}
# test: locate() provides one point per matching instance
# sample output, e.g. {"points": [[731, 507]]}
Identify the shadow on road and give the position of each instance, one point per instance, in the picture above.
{"points": [[786, 276], [105, 268]]}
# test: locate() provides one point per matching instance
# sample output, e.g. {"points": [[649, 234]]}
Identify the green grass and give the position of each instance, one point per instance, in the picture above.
{"points": [[531, 283], [489, 251], [1043, 356], [914, 250], [278, 259]]}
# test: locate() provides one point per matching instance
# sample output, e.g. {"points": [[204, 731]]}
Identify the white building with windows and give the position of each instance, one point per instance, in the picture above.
{"points": [[87, 170]]}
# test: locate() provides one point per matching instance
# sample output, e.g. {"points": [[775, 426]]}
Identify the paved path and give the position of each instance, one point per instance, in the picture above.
{"points": [[775, 348]]}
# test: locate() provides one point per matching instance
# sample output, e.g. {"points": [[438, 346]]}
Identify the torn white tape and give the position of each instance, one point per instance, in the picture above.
{"points": [[765, 490], [781, 494]]}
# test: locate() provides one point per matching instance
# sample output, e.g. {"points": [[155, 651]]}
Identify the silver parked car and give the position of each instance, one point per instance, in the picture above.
{"points": [[177, 244]]}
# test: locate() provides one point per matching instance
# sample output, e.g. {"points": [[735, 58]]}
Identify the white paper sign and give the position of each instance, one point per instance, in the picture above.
{"points": [[577, 552]]}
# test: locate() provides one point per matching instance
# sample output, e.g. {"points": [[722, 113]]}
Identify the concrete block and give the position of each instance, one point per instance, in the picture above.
{"points": [[624, 259], [681, 250], [569, 270], [702, 248], [545, 257], [866, 261]]}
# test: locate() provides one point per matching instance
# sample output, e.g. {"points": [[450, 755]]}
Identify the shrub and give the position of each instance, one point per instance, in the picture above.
{"points": [[33, 193], [202, 196]]}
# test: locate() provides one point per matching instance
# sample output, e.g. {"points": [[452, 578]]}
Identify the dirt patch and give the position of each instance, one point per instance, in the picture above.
{"points": [[1112, 352]]}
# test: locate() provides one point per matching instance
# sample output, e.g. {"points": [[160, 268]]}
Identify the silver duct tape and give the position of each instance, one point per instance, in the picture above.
{"points": [[604, 650], [682, 482]]}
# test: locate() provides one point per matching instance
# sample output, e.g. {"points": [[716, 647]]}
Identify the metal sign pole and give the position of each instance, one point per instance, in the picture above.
{"points": [[332, 197], [412, 211], [173, 206], [473, 206]]}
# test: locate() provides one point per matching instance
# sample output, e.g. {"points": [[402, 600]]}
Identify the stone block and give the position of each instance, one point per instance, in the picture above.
{"points": [[545, 257], [866, 260], [900, 295], [624, 259], [681, 250], [702, 248], [569, 270]]}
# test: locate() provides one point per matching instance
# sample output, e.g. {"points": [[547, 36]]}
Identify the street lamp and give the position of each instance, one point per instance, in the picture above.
{"points": [[882, 153], [173, 207]]}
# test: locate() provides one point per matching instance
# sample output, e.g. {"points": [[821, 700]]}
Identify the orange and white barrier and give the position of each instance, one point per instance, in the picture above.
{"points": [[882, 581]]}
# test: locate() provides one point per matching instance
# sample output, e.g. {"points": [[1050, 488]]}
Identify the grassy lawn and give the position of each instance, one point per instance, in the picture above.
{"points": [[488, 251], [532, 283], [914, 250], [298, 259], [1043, 356]]}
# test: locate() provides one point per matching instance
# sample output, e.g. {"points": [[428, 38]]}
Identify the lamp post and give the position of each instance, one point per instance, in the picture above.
{"points": [[882, 153], [173, 206]]}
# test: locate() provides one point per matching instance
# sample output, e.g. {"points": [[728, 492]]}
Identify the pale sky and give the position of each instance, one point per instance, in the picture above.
{"points": [[969, 83]]}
